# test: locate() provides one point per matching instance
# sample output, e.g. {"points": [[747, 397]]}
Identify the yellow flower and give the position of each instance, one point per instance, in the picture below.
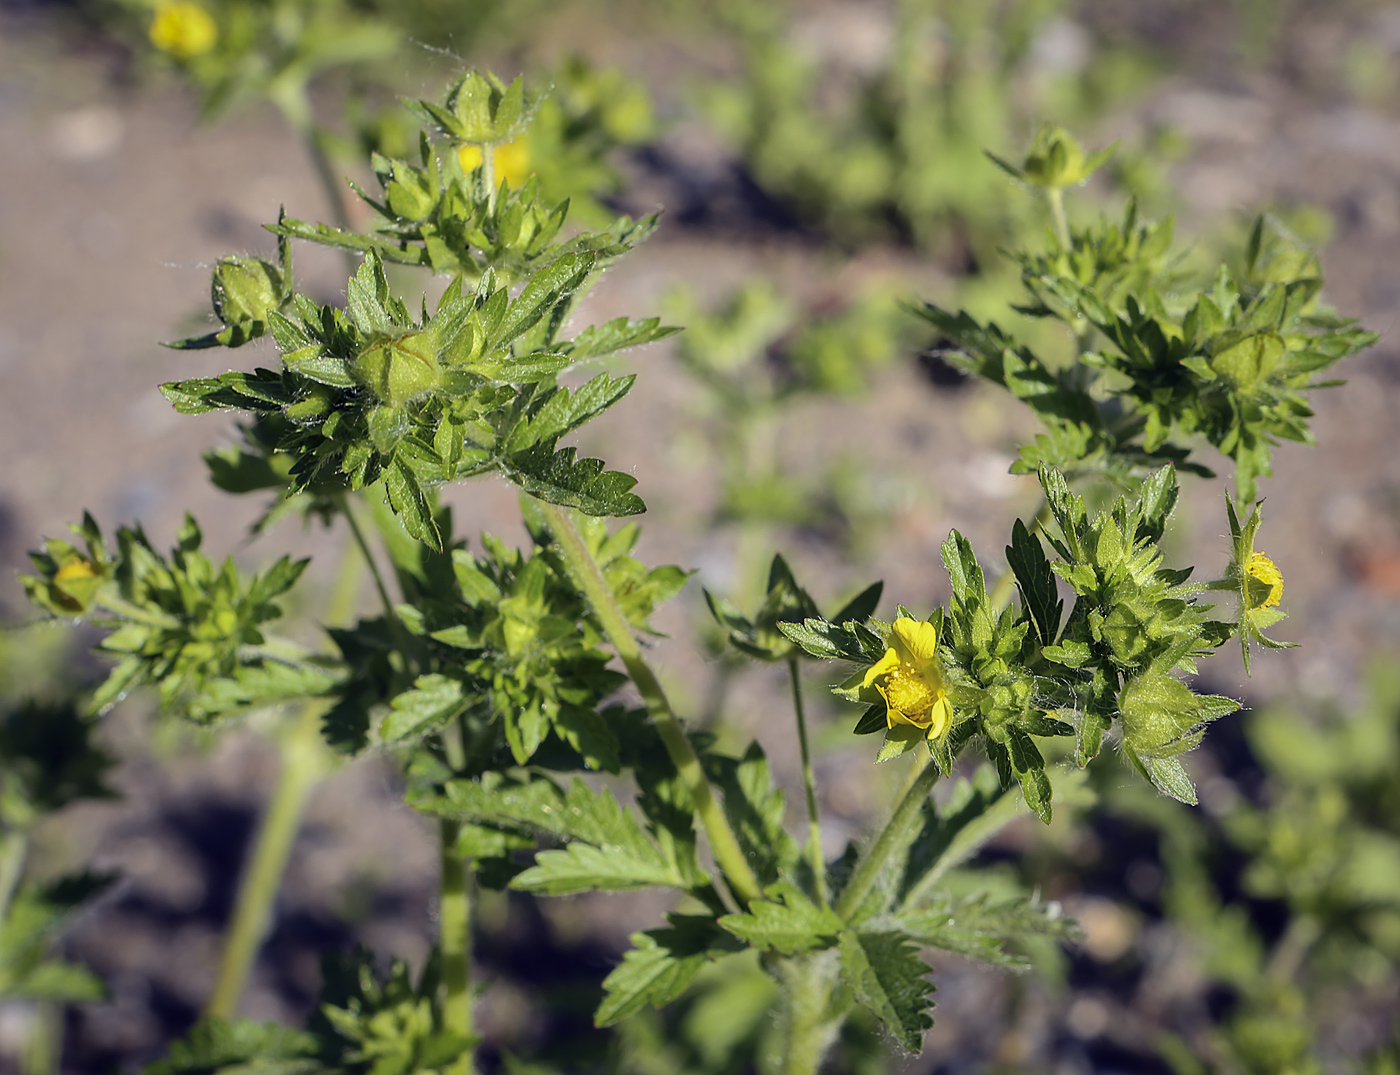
{"points": [[1260, 567], [909, 679], [183, 29], [511, 161], [75, 569]]}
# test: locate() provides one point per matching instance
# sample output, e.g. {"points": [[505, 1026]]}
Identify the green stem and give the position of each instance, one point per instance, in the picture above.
{"points": [[13, 852], [1006, 809], [588, 576], [895, 835], [1000, 595], [454, 921], [808, 1024], [488, 175], [304, 763], [1056, 198], [391, 615], [809, 787], [1302, 933]]}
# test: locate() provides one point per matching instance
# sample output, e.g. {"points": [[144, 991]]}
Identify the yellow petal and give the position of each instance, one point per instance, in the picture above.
{"points": [[940, 717], [888, 663], [917, 641]]}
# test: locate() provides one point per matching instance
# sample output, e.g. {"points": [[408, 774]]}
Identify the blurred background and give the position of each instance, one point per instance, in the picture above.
{"points": [[817, 163]]}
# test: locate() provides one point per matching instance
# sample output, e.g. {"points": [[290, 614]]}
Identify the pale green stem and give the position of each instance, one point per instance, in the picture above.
{"points": [[299, 773], [808, 1025], [896, 835], [13, 852], [1302, 933], [363, 545], [1056, 198], [304, 763], [588, 576], [809, 787], [454, 922], [488, 175], [41, 1051], [968, 840], [1000, 595], [346, 592], [396, 627]]}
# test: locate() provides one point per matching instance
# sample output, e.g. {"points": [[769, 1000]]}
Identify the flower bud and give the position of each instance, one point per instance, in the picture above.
{"points": [[399, 369], [245, 289], [488, 112]]}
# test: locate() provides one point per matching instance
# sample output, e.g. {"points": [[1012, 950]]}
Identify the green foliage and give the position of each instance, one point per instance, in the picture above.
{"points": [[228, 1046], [364, 1026], [897, 145], [368, 394], [245, 291], [785, 602], [661, 966], [1011, 677], [889, 978], [1153, 361], [394, 1026], [178, 622], [236, 51]]}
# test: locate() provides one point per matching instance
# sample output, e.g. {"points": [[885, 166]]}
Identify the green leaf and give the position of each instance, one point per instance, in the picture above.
{"points": [[660, 966], [980, 927], [1028, 562], [887, 976], [786, 922], [242, 1046], [610, 851], [545, 289], [433, 701], [755, 809], [557, 478], [615, 336], [584, 729]]}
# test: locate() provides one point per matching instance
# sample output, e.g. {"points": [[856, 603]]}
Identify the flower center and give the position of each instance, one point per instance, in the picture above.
{"points": [[1260, 567], [909, 692]]}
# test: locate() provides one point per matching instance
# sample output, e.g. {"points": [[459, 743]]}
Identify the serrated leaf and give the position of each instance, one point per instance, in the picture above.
{"points": [[786, 921], [1028, 562], [887, 976], [610, 851], [660, 966], [433, 701]]}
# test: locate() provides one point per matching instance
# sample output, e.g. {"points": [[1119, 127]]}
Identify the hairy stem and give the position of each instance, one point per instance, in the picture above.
{"points": [[808, 1024], [391, 615], [588, 576], [304, 762], [809, 787], [895, 835]]}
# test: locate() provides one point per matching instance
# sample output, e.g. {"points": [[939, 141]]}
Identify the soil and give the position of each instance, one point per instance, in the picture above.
{"points": [[116, 202]]}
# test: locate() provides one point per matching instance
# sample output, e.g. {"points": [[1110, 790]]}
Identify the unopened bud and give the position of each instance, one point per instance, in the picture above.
{"points": [[399, 369]]}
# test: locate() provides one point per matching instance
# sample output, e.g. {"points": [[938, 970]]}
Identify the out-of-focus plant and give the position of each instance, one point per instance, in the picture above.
{"points": [[48, 760], [1320, 847], [891, 144]]}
